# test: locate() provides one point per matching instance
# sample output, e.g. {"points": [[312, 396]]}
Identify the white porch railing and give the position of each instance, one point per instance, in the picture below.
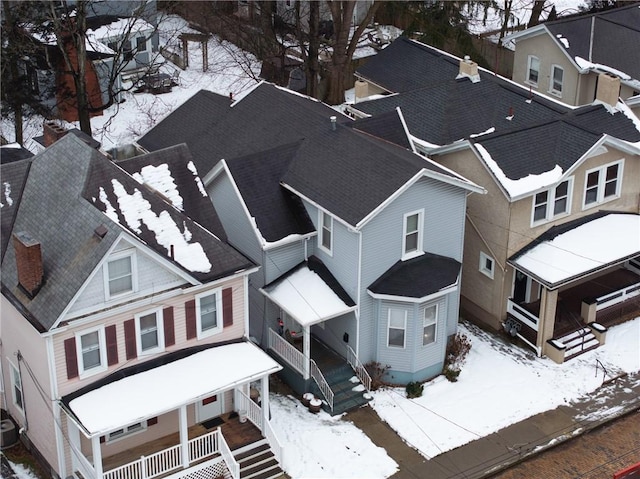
{"points": [[358, 367], [170, 459], [322, 383], [274, 442], [286, 351], [246, 404], [522, 314], [617, 296]]}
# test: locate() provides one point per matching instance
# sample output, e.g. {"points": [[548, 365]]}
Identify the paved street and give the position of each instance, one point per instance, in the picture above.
{"points": [[595, 455]]}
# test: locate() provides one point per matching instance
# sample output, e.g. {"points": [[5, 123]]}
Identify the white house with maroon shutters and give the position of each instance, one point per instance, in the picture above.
{"points": [[125, 350]]}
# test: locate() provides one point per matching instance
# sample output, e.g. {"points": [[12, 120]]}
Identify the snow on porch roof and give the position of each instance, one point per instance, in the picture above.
{"points": [[306, 297], [582, 250], [167, 387]]}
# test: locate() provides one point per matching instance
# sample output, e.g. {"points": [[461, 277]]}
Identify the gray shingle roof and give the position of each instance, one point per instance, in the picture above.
{"points": [[614, 41], [345, 171], [196, 205], [60, 209], [418, 277], [12, 178], [386, 126], [13, 152]]}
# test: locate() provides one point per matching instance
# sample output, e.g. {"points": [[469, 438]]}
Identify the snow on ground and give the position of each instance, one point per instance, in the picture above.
{"points": [[499, 385], [318, 445], [21, 472]]}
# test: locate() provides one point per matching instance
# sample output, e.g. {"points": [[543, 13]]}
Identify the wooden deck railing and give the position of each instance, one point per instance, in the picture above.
{"points": [[522, 314], [358, 367], [617, 296], [247, 405], [274, 442], [225, 452]]}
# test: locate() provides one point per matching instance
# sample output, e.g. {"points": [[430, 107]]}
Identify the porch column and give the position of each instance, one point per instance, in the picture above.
{"points": [[548, 303], [264, 397], [306, 350], [184, 435], [97, 455]]}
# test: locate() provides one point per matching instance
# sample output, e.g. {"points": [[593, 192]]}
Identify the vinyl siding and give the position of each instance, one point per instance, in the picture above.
{"points": [[334, 331], [152, 277], [178, 303], [443, 234], [280, 260], [240, 232]]}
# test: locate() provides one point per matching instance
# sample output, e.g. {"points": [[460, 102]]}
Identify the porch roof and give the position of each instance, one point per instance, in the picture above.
{"points": [[167, 387], [308, 296], [564, 254]]}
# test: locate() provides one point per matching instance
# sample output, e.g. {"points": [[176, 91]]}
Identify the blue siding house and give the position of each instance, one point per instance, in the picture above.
{"points": [[359, 239]]}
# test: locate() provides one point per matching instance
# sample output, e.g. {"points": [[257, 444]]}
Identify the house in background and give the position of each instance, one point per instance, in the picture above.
{"points": [[125, 348], [359, 240], [551, 251], [564, 58]]}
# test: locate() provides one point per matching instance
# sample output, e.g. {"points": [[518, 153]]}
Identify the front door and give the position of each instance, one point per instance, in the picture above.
{"points": [[520, 283], [209, 407]]}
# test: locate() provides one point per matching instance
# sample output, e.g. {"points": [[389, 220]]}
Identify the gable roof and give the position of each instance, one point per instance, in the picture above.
{"points": [[608, 38], [70, 190], [279, 137], [171, 172], [387, 126]]}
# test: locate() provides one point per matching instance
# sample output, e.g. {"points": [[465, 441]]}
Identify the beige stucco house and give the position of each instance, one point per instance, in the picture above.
{"points": [[125, 348]]}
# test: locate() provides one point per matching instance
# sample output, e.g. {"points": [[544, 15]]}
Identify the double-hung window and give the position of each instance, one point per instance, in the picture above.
{"points": [[141, 44], [429, 324], [92, 357], [412, 235], [16, 386], [557, 77], [533, 70], [326, 232], [120, 275], [603, 184], [397, 327], [149, 332], [208, 314], [550, 204]]}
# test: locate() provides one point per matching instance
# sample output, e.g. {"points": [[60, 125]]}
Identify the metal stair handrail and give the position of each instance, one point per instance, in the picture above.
{"points": [[358, 367], [322, 383]]}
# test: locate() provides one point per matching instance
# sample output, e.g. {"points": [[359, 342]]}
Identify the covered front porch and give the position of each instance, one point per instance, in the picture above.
{"points": [[311, 303], [566, 293], [181, 418]]}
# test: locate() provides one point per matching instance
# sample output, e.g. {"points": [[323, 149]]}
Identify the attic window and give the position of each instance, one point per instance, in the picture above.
{"points": [[326, 232], [120, 274], [557, 76], [533, 70]]}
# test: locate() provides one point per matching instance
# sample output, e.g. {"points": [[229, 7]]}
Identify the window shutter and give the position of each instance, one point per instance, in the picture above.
{"points": [[130, 338], [169, 334], [190, 312], [71, 358], [112, 345], [227, 307]]}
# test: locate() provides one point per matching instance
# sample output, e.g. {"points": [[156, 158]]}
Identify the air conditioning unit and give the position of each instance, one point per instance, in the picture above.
{"points": [[9, 433]]}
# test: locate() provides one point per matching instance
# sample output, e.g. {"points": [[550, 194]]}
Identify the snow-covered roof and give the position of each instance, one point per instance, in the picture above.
{"points": [[121, 27], [147, 394], [306, 297], [589, 247]]}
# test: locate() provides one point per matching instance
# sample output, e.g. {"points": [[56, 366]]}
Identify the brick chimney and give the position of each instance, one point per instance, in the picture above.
{"points": [[468, 69], [29, 263], [52, 133], [608, 89]]}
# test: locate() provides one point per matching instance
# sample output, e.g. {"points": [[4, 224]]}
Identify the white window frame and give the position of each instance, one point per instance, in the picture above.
{"points": [[127, 431], [404, 328], [321, 232], [602, 182], [160, 332], [433, 323], [218, 328], [134, 274], [552, 89], [550, 204], [102, 345], [15, 371], [419, 250], [488, 272], [528, 80]]}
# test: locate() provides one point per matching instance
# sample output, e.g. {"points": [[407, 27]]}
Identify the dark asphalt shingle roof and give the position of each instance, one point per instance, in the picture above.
{"points": [[386, 126], [13, 152], [60, 209], [12, 179], [195, 205], [418, 277], [614, 41], [347, 172], [277, 211]]}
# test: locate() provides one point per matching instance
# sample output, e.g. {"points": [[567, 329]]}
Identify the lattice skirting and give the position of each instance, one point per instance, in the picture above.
{"points": [[207, 470]]}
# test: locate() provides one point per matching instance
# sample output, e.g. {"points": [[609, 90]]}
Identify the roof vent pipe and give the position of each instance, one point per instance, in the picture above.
{"points": [[333, 122]]}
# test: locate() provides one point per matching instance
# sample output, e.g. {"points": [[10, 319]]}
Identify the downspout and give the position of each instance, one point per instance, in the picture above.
{"points": [[593, 27], [56, 409], [359, 294]]}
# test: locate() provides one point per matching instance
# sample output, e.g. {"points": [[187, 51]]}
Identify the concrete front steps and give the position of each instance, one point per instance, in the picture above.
{"points": [[348, 393], [257, 461], [578, 342]]}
